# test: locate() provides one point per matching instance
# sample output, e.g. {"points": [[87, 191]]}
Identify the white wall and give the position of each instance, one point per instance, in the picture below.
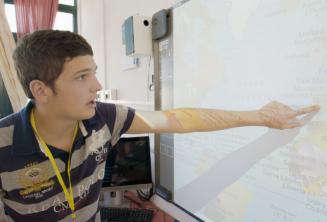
{"points": [[100, 23], [91, 26]]}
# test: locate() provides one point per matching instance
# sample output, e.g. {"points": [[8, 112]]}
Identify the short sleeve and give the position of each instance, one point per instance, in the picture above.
{"points": [[118, 118], [124, 119]]}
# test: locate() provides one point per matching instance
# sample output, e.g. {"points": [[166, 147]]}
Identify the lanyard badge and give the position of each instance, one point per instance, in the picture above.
{"points": [[68, 194]]}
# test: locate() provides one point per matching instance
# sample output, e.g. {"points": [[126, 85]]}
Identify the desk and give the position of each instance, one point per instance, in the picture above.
{"points": [[132, 200]]}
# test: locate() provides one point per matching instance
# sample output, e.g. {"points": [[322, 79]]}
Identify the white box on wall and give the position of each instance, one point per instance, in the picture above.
{"points": [[137, 36]]}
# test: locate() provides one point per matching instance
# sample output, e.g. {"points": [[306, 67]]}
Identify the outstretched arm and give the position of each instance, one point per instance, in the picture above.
{"points": [[184, 120]]}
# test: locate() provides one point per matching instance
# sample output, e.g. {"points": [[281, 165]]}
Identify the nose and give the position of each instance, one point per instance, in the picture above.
{"points": [[96, 85]]}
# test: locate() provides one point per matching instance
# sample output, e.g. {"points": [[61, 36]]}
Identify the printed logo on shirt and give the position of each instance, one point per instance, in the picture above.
{"points": [[97, 145], [35, 180], [100, 154], [60, 205]]}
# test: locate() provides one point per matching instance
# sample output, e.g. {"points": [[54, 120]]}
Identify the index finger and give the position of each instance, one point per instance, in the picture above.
{"points": [[308, 109]]}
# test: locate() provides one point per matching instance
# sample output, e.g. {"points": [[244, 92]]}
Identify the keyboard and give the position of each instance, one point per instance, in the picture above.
{"points": [[115, 214]]}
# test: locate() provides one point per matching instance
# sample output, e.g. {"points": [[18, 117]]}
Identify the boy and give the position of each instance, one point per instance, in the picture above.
{"points": [[53, 152]]}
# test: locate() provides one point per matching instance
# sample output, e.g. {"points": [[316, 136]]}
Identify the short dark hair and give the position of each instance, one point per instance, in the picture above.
{"points": [[42, 55]]}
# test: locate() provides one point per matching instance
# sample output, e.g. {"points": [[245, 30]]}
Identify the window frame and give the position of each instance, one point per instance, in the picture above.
{"points": [[61, 8]]}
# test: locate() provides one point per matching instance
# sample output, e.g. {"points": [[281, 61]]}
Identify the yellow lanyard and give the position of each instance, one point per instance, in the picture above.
{"points": [[69, 195]]}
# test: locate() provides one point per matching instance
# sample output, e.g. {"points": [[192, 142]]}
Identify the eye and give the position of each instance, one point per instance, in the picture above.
{"points": [[81, 77]]}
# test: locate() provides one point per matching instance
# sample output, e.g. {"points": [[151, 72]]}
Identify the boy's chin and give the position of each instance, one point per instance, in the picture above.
{"points": [[88, 115]]}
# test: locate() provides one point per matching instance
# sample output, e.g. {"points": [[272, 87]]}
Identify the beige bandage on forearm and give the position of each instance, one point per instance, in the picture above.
{"points": [[186, 120]]}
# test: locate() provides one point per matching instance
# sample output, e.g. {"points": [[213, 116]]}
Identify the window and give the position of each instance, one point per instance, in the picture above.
{"points": [[11, 16], [67, 2], [66, 18]]}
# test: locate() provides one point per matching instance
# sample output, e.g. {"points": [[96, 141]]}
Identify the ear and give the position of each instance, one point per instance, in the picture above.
{"points": [[39, 91]]}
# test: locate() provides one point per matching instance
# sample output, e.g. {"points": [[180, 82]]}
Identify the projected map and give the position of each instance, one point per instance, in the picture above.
{"points": [[240, 55]]}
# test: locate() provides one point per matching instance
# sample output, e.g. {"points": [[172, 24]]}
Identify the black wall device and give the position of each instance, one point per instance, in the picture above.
{"points": [[159, 24]]}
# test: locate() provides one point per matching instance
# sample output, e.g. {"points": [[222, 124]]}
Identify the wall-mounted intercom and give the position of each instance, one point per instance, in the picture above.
{"points": [[136, 31]]}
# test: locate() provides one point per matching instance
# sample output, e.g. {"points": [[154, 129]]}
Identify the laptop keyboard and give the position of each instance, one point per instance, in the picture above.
{"points": [[114, 214]]}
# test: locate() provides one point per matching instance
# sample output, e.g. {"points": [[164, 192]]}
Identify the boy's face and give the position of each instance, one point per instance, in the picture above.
{"points": [[76, 89]]}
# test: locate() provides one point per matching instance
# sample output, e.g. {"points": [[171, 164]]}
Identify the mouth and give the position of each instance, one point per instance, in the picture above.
{"points": [[92, 103]]}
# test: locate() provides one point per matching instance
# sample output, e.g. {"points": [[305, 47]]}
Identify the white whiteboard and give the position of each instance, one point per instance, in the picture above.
{"points": [[239, 55]]}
